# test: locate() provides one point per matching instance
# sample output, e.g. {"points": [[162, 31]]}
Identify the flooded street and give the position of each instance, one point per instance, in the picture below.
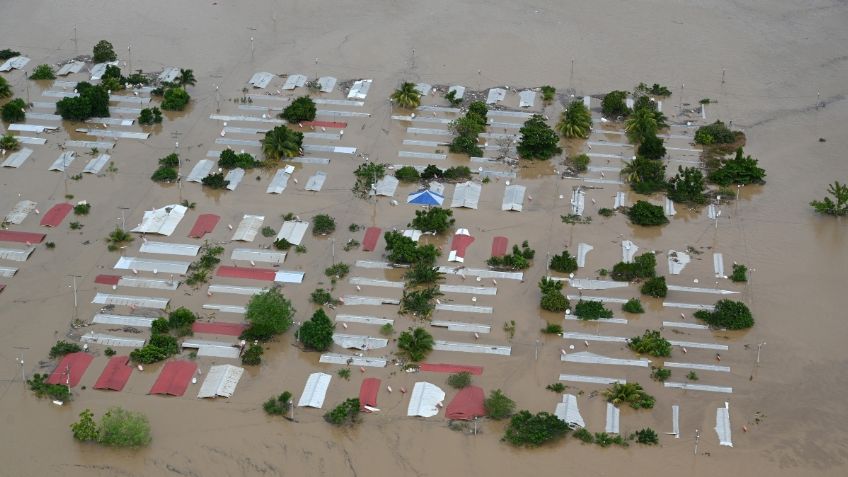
{"points": [[763, 65]]}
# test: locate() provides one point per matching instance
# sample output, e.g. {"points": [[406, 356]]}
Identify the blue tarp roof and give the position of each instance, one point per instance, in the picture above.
{"points": [[425, 197]]}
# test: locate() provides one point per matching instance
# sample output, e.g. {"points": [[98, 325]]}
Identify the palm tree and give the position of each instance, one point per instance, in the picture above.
{"points": [[407, 96], [576, 121], [416, 343], [644, 122], [186, 77], [282, 142], [629, 393]]}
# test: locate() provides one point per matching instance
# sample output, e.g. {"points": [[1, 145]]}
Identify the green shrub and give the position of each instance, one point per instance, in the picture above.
{"points": [[404, 250], [278, 405], [6, 54], [422, 274], [633, 305], [739, 170], [591, 310], [655, 287], [740, 273], [660, 374], [692, 376], [652, 343], [529, 430], [149, 116], [629, 393], [109, 352], [605, 440], [160, 326], [646, 436], [538, 140], [457, 173], [419, 302], [301, 109], [346, 413], [715, 133], [548, 93], [465, 145], [552, 297], [85, 429], [282, 244], [564, 263], [38, 385], [434, 219], [584, 436], [61, 348], [269, 314], [651, 147], [498, 406], [643, 266], [181, 321], [215, 181], [323, 224], [644, 175], [519, 259], [317, 333], [687, 186], [93, 101], [407, 174], [230, 159], [339, 270], [416, 343], [606, 212], [580, 162], [344, 373], [556, 387], [14, 111], [83, 208], [252, 356], [552, 329], [729, 314], [646, 214], [614, 104], [11, 143], [387, 329], [121, 428], [827, 205], [655, 89], [321, 296], [459, 380], [175, 99]]}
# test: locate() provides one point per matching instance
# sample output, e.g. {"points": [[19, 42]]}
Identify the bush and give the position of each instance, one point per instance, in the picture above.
{"points": [[552, 329], [651, 343], [729, 314], [83, 208], [215, 181], [633, 305], [279, 405], [422, 274], [181, 320], [452, 99], [548, 93], [740, 273], [580, 162], [150, 116], [344, 373], [457, 173], [584, 435], [387, 329], [646, 436], [646, 214], [459, 380], [655, 287], [252, 356], [301, 109], [828, 206], [407, 174], [715, 133], [687, 186], [591, 310], [85, 429], [230, 159], [692, 376], [269, 314], [605, 440], [526, 429], [167, 343], [644, 175], [282, 244], [346, 413], [93, 101], [160, 326], [367, 174], [614, 104], [61, 348], [11, 143], [317, 333], [175, 99], [14, 111], [519, 259], [538, 140], [339, 270], [104, 52], [660, 374], [655, 89], [630, 393], [38, 385], [434, 219], [419, 302], [121, 428], [109, 352], [323, 224], [564, 263], [415, 343], [321, 296], [552, 298], [739, 170], [651, 148], [643, 266], [556, 387], [498, 406], [6, 54]]}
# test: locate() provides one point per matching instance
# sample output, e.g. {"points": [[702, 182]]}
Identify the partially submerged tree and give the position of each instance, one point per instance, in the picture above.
{"points": [[407, 96], [739, 170], [175, 99], [651, 342], [646, 214], [103, 52], [281, 143], [645, 176], [93, 101], [552, 298], [186, 78], [434, 219], [629, 393], [317, 333], [591, 310], [529, 430], [576, 121], [407, 174], [633, 305], [42, 72], [643, 123], [538, 140], [269, 314], [14, 111], [301, 109], [323, 224], [150, 116], [715, 133], [345, 414], [729, 314], [828, 206], [9, 142], [5, 89], [564, 263], [416, 343], [121, 428], [655, 287], [687, 186], [229, 159], [498, 406], [614, 104], [651, 147], [215, 181], [643, 266]]}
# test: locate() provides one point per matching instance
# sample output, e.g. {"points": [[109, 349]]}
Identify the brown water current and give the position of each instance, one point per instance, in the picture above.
{"points": [[778, 58]]}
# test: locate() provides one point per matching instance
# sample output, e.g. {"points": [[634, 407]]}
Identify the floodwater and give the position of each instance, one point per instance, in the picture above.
{"points": [[776, 57]]}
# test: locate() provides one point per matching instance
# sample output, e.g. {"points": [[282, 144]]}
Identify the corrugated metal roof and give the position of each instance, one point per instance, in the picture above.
{"points": [[425, 400], [510, 114], [677, 261], [460, 91], [590, 284], [293, 231], [368, 320], [111, 121], [316, 182], [237, 142], [322, 135], [258, 255], [111, 340], [699, 387], [288, 276], [169, 74], [471, 290], [40, 141], [120, 98], [152, 265], [315, 390], [722, 426], [375, 282], [677, 324], [698, 366], [415, 235], [64, 160], [495, 95], [124, 320], [592, 358], [577, 378], [294, 81], [8, 272], [162, 221], [239, 310], [368, 300], [221, 380], [487, 310], [215, 349], [477, 272], [428, 131], [182, 249], [359, 90], [582, 250], [613, 321], [126, 300], [261, 79], [59, 94], [95, 165], [352, 360], [472, 348], [234, 177], [69, 68], [148, 283], [17, 62], [458, 326], [692, 344], [249, 119], [36, 128], [613, 417], [20, 212], [99, 69], [513, 198], [423, 155], [386, 186], [568, 412], [688, 306], [527, 99], [17, 159], [279, 182], [327, 84], [718, 265], [360, 342], [16, 254], [248, 228], [602, 299], [572, 335], [310, 160], [372, 264], [200, 170], [578, 202], [234, 290], [423, 88], [466, 194], [114, 134]]}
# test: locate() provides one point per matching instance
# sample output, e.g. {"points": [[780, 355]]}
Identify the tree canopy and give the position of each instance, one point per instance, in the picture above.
{"points": [[614, 104], [407, 96], [651, 147], [415, 343], [829, 206], [281, 142], [646, 214], [175, 99], [538, 140], [645, 176], [576, 121], [269, 314], [317, 333], [434, 219], [93, 101], [14, 111], [687, 186], [301, 109], [729, 314], [103, 51], [529, 430], [739, 170]]}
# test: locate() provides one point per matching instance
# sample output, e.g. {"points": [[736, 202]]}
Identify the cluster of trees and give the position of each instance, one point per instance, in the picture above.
{"points": [[655, 287], [230, 159], [367, 174], [150, 116], [411, 174], [563, 263], [629, 393], [643, 266], [715, 133], [39, 386], [345, 414], [519, 259], [739, 170], [467, 128], [281, 143], [552, 298], [216, 180], [591, 310], [301, 109], [43, 72], [651, 343], [404, 250], [538, 140], [419, 302], [117, 428], [526, 429], [93, 101], [162, 344]]}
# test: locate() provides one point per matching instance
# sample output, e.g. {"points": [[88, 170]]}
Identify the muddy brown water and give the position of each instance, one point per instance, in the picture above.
{"points": [[777, 58]]}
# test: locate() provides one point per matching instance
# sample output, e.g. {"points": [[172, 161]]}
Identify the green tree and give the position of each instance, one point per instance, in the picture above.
{"points": [[564, 263], [42, 72], [552, 297], [407, 96], [252, 356], [651, 147], [830, 207], [215, 180], [229, 159], [687, 186], [85, 429], [181, 320], [14, 111], [739, 170], [301, 109], [164, 174], [6, 54], [281, 142], [629, 393], [104, 52], [278, 405], [652, 343], [633, 305], [729, 314], [643, 266], [591, 310], [460, 380], [61, 348], [415, 343], [407, 174], [642, 124], [548, 94], [160, 326], [614, 104], [529, 430], [580, 162], [93, 101], [419, 302], [121, 428], [645, 176], [175, 99], [538, 140], [576, 121], [646, 436], [346, 413], [317, 333], [715, 133], [150, 116], [269, 314], [5, 89], [434, 219], [9, 142], [465, 145], [186, 78], [422, 273], [655, 287], [498, 406], [646, 214], [323, 224], [740, 273]]}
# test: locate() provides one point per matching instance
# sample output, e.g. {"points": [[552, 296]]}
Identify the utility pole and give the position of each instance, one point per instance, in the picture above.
{"points": [[129, 50], [217, 98], [759, 348], [722, 76], [251, 48], [75, 292], [76, 45], [21, 362], [697, 438], [123, 218], [333, 241]]}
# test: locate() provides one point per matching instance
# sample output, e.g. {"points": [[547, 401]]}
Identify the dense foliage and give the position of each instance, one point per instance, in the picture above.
{"points": [[739, 170], [643, 266], [14, 111], [715, 133], [591, 310], [564, 263], [252, 356], [614, 104], [652, 343], [538, 140], [629, 393], [150, 116], [346, 413], [552, 298], [740, 273], [122, 428], [61, 348], [644, 175], [269, 314], [434, 219], [646, 214], [519, 259], [459, 380], [655, 287], [405, 250], [367, 174], [828, 206], [103, 51], [317, 333], [216, 180], [93, 101], [230, 159], [651, 147], [278, 405], [633, 305], [416, 343], [576, 121], [498, 406], [419, 302], [301, 109], [407, 96], [175, 99], [729, 314], [281, 143], [529, 430], [38, 385], [407, 174], [687, 186]]}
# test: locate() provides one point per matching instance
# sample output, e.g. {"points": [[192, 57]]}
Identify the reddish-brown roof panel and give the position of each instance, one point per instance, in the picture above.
{"points": [[70, 369], [107, 279], [251, 273], [451, 368], [372, 236], [20, 237], [174, 378], [499, 245], [368, 392], [56, 215], [467, 404], [204, 224], [116, 374], [228, 329]]}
